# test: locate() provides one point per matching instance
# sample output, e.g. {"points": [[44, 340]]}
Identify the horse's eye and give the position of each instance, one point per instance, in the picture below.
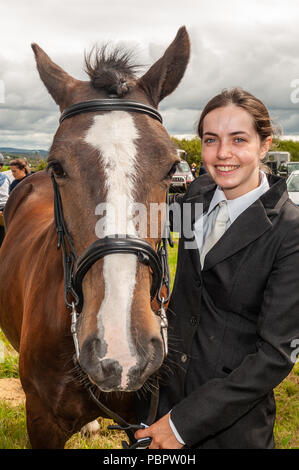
{"points": [[172, 170], [57, 169]]}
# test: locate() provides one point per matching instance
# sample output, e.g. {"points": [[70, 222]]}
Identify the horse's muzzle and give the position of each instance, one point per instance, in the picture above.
{"points": [[110, 375]]}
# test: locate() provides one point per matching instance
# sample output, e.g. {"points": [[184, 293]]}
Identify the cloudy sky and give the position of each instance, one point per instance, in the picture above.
{"points": [[252, 44]]}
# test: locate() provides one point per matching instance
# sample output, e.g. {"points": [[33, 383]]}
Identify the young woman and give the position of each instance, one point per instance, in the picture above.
{"points": [[234, 309], [20, 170]]}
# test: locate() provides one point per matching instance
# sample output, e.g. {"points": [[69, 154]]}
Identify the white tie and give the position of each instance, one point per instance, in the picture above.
{"points": [[217, 231]]}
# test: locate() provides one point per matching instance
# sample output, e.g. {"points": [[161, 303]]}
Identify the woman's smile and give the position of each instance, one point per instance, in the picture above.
{"points": [[226, 169]]}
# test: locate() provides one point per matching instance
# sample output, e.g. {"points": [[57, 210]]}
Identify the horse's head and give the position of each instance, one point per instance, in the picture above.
{"points": [[104, 163]]}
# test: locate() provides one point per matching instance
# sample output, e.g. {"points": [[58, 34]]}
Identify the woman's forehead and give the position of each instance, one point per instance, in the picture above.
{"points": [[228, 119]]}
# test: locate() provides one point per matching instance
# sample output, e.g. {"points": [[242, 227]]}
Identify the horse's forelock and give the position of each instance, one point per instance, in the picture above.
{"points": [[111, 70]]}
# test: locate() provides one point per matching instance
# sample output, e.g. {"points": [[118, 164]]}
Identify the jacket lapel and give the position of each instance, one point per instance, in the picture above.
{"points": [[251, 224], [204, 197]]}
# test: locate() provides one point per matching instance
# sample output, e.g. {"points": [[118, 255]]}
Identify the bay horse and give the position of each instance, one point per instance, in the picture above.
{"points": [[99, 154]]}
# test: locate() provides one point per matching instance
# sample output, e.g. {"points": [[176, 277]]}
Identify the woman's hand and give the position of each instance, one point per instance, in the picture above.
{"points": [[161, 434]]}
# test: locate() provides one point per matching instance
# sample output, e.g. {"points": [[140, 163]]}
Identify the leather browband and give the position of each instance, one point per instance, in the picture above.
{"points": [[109, 104]]}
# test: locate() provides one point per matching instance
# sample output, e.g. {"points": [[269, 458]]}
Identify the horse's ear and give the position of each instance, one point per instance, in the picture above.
{"points": [[56, 80], [165, 74]]}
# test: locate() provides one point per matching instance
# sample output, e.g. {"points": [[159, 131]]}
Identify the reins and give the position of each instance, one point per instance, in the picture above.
{"points": [[73, 277]]}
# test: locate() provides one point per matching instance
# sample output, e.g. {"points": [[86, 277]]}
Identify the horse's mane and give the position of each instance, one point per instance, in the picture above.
{"points": [[112, 70]]}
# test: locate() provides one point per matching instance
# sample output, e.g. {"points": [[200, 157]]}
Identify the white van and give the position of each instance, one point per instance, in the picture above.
{"points": [[293, 187], [277, 159]]}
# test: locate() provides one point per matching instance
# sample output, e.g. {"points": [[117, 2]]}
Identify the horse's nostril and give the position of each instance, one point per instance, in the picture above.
{"points": [[153, 359], [93, 347], [99, 347], [105, 373]]}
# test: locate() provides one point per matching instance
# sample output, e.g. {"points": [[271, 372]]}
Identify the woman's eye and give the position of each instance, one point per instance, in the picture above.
{"points": [[210, 140], [239, 139], [57, 169]]}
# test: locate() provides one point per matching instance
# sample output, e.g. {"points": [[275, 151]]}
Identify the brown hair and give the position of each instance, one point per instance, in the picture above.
{"points": [[247, 101], [21, 164]]}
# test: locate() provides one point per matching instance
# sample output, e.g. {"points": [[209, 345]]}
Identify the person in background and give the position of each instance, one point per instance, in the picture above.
{"points": [[193, 170], [20, 170], [233, 311], [4, 192]]}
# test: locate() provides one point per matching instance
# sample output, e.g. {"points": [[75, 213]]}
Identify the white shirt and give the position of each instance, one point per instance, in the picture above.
{"points": [[4, 190], [204, 225]]}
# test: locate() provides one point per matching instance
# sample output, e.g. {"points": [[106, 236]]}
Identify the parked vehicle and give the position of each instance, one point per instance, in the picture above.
{"points": [[275, 160], [287, 168], [293, 187], [181, 178]]}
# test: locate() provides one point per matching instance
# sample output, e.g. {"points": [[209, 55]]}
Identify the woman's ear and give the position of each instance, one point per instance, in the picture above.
{"points": [[265, 147]]}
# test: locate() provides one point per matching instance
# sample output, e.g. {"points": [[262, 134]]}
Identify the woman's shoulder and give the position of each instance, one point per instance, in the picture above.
{"points": [[290, 212], [287, 230], [286, 227], [13, 184]]}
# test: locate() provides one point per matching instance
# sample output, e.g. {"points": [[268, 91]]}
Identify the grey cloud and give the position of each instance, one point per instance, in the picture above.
{"points": [[251, 52], [180, 121]]}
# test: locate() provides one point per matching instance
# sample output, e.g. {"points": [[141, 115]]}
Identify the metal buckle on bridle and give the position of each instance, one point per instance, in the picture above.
{"points": [[164, 326], [74, 316]]}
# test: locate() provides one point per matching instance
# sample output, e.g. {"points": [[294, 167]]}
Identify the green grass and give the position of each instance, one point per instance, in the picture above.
{"points": [[13, 421], [287, 415], [172, 256], [107, 439], [9, 368], [13, 434]]}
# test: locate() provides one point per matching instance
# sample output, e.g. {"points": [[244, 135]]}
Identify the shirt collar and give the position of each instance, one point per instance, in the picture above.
{"points": [[240, 204]]}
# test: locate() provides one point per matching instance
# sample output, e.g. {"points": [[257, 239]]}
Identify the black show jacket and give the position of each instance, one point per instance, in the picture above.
{"points": [[233, 324]]}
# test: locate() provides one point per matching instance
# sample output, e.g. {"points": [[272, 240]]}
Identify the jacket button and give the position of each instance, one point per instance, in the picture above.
{"points": [[194, 320], [184, 358]]}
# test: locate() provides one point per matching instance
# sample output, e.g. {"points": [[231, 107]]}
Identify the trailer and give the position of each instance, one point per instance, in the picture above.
{"points": [[275, 160]]}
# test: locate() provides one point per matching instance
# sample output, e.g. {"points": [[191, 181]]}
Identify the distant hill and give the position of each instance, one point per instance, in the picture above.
{"points": [[17, 151]]}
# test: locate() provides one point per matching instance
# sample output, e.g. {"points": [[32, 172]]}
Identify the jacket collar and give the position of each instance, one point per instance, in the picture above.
{"points": [[249, 226]]}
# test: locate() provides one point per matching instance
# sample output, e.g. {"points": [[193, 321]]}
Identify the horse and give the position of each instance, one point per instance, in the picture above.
{"points": [[94, 297]]}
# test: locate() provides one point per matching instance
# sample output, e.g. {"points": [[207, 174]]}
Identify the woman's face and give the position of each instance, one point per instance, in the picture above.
{"points": [[17, 173], [232, 150]]}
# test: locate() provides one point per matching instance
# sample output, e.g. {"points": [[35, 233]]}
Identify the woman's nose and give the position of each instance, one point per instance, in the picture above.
{"points": [[224, 151]]}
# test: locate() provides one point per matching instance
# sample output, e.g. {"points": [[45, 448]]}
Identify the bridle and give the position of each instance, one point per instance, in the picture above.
{"points": [[73, 277]]}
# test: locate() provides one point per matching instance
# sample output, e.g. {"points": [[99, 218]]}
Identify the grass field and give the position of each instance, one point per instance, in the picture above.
{"points": [[13, 421]]}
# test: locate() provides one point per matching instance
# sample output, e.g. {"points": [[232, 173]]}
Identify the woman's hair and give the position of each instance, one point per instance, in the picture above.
{"points": [[247, 101], [21, 164]]}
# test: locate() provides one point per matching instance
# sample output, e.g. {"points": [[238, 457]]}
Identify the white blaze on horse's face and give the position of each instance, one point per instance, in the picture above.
{"points": [[114, 135]]}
